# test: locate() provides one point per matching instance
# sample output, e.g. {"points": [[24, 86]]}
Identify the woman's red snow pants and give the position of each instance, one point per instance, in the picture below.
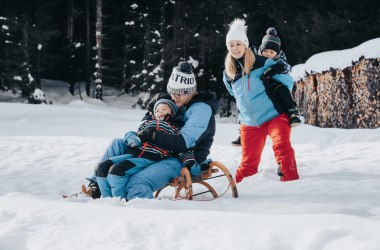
{"points": [[253, 141]]}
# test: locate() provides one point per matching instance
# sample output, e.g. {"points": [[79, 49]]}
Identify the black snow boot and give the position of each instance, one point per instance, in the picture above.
{"points": [[95, 191], [236, 142], [279, 173], [294, 117], [93, 188]]}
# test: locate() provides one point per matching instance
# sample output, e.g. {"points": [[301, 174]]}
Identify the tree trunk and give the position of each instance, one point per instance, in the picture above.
{"points": [[99, 23], [38, 77], [163, 39], [38, 62], [70, 37], [88, 45], [26, 85]]}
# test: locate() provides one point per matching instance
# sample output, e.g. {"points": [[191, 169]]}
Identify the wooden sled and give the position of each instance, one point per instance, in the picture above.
{"points": [[183, 184], [84, 191]]}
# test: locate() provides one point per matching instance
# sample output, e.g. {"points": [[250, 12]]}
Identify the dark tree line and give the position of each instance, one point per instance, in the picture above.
{"points": [[133, 45]]}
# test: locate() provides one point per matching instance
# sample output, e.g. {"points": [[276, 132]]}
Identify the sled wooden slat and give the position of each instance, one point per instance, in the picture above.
{"points": [[183, 184]]}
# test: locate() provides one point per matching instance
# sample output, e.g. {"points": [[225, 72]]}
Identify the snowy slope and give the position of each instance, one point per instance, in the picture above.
{"points": [[47, 150]]}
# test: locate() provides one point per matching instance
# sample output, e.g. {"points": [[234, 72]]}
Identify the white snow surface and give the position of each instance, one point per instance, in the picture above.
{"points": [[47, 150]]}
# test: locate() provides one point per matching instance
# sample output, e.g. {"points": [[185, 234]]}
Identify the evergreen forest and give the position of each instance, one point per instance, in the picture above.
{"points": [[133, 45]]}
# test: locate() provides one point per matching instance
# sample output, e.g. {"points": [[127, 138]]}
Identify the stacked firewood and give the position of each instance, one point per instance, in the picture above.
{"points": [[348, 98]]}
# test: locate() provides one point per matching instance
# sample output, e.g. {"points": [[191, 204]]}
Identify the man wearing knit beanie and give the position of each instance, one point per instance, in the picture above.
{"points": [[197, 133], [198, 109]]}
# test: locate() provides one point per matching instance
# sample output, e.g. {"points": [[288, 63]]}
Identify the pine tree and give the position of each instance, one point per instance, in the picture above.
{"points": [[99, 49], [133, 47], [10, 53]]}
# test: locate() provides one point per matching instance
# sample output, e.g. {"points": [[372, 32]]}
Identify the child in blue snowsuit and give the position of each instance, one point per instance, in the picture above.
{"points": [[278, 93], [112, 175]]}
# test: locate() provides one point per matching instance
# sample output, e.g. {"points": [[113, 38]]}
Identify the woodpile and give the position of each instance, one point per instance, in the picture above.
{"points": [[348, 98]]}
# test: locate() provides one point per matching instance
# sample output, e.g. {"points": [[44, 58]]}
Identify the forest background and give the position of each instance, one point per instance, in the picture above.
{"points": [[133, 45]]}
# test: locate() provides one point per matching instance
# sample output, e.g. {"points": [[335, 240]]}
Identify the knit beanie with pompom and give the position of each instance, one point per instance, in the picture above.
{"points": [[271, 41]]}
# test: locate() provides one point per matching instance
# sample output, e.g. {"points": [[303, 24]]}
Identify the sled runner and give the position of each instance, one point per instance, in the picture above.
{"points": [[84, 192], [184, 183], [92, 190]]}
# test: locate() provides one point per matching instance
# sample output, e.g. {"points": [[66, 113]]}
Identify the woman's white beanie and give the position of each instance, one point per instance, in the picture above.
{"points": [[238, 31]]}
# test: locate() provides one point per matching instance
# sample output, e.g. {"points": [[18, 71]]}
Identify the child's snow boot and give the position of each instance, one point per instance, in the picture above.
{"points": [[93, 188], [294, 117], [279, 173]]}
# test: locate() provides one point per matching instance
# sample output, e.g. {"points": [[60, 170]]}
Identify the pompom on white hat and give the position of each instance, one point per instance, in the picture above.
{"points": [[237, 31]]}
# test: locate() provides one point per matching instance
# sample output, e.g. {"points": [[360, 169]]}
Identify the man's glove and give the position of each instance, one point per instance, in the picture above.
{"points": [[197, 169], [132, 140], [278, 68], [146, 134]]}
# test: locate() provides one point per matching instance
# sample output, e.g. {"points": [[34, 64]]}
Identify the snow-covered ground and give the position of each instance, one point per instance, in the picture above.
{"points": [[47, 150]]}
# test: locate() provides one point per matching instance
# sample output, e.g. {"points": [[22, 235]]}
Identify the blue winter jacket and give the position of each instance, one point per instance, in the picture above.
{"points": [[255, 107]]}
